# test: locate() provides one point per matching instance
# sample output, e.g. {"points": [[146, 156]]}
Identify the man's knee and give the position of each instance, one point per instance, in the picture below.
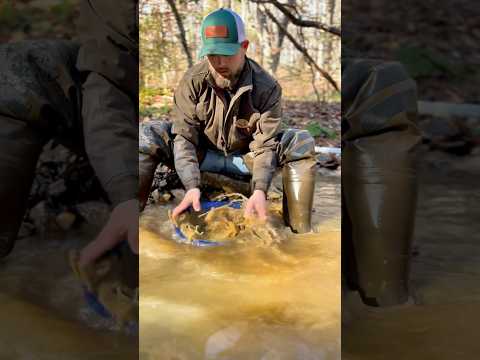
{"points": [[379, 97], [295, 145], [156, 139]]}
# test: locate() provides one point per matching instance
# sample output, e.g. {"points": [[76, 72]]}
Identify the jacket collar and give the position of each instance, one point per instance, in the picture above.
{"points": [[246, 77]]}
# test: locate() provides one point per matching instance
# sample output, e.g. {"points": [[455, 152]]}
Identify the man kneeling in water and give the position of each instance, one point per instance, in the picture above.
{"points": [[228, 120]]}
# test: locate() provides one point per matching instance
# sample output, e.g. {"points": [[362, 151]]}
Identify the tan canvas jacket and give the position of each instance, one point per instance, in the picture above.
{"points": [[250, 123]]}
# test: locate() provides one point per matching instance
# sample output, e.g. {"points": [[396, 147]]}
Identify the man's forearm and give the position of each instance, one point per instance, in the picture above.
{"points": [[186, 163]]}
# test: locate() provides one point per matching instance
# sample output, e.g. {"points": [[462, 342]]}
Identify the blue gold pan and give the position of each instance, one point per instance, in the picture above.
{"points": [[206, 206]]}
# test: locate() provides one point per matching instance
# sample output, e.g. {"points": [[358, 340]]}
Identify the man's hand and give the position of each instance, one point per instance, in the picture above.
{"points": [[257, 203], [191, 198], [121, 225]]}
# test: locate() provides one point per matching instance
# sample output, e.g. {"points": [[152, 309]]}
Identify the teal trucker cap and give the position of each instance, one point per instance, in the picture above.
{"points": [[222, 33]]}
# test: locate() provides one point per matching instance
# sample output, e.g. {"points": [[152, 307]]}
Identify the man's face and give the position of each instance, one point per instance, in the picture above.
{"points": [[229, 67]]}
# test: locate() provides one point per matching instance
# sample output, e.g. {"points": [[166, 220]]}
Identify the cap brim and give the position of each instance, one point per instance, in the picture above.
{"points": [[226, 49]]}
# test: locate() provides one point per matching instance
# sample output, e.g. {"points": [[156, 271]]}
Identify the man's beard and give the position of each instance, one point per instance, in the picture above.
{"points": [[226, 83]]}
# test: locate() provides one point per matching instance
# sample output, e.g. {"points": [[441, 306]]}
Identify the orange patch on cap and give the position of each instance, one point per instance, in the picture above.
{"points": [[216, 31]]}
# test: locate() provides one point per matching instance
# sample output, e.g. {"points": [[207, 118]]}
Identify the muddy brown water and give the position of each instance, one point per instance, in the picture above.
{"points": [[445, 275], [256, 302], [242, 301], [43, 314]]}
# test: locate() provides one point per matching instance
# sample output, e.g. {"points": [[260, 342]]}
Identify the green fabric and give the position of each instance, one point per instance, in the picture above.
{"points": [[220, 45], [219, 49]]}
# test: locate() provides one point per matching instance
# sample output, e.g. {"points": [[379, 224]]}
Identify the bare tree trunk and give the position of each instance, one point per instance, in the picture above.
{"points": [[227, 4], [281, 36], [181, 35], [328, 49], [301, 37], [304, 51], [317, 94], [261, 25], [244, 10], [141, 79]]}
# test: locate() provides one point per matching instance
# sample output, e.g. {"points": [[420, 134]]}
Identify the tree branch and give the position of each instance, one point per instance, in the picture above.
{"points": [[299, 22], [181, 35], [302, 49], [281, 36]]}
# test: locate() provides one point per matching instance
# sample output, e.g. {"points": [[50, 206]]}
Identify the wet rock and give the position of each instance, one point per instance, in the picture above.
{"points": [[161, 197], [65, 220], [328, 161], [274, 195], [63, 179], [435, 127], [178, 193], [26, 229], [39, 215], [226, 183], [223, 340], [165, 179], [94, 212], [57, 188], [453, 135], [155, 194]]}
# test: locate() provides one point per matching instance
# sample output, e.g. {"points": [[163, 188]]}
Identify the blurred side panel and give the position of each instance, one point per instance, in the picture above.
{"points": [[410, 136], [68, 168]]}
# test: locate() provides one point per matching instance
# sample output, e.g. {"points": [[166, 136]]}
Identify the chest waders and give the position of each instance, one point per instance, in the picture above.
{"points": [[295, 155], [21, 147], [379, 138]]}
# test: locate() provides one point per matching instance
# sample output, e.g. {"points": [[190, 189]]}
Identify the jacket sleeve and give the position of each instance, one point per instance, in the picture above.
{"points": [[265, 140], [186, 128], [110, 127], [108, 59]]}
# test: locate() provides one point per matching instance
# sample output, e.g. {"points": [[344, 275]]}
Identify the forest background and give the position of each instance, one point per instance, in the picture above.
{"points": [[297, 41]]}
